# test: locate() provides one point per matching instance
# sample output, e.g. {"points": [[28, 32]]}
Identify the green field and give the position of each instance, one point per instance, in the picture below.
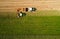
{"points": [[29, 27]]}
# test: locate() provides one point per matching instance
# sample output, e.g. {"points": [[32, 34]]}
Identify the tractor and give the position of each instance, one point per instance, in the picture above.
{"points": [[22, 11]]}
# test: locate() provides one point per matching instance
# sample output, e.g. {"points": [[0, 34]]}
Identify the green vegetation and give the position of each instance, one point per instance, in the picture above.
{"points": [[29, 25]]}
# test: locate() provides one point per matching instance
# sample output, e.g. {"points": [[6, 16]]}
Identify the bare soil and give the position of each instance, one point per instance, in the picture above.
{"points": [[12, 5]]}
